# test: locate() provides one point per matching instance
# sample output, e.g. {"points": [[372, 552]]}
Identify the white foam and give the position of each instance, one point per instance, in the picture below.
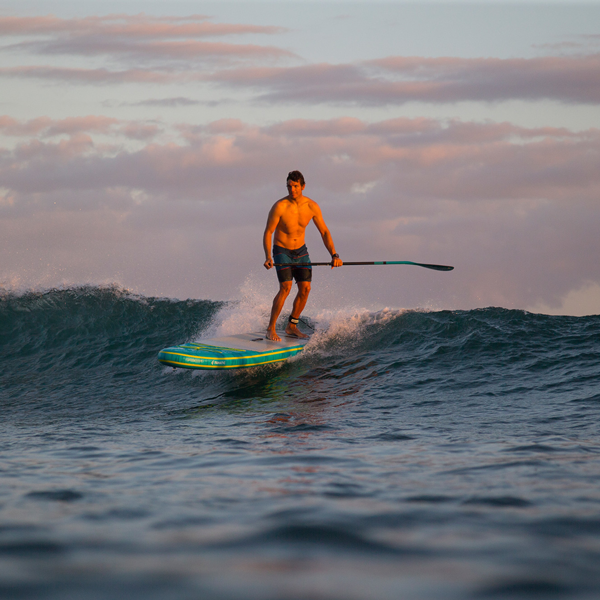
{"points": [[249, 313], [344, 325]]}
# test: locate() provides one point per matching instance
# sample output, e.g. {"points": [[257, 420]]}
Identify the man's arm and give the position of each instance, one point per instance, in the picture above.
{"points": [[272, 222], [325, 234]]}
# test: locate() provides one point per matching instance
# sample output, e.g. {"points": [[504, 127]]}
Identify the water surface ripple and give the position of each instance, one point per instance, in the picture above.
{"points": [[404, 454]]}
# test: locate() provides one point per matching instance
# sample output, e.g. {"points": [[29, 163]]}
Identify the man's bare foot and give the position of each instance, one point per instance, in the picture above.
{"points": [[272, 335], [291, 329]]}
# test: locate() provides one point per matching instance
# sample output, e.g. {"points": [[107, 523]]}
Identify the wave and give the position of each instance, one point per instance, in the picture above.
{"points": [[95, 346], [87, 327], [88, 349]]}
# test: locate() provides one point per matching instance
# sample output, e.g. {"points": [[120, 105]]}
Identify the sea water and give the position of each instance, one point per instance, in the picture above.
{"points": [[403, 454]]}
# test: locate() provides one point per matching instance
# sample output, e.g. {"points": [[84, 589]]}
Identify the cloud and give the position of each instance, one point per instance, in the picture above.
{"points": [[134, 50], [492, 79], [155, 50], [397, 80], [469, 160], [513, 208], [579, 43], [45, 127], [128, 26], [49, 127], [175, 102], [137, 38], [99, 76]]}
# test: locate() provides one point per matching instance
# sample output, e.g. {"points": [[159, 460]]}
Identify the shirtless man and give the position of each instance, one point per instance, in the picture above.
{"points": [[288, 220]]}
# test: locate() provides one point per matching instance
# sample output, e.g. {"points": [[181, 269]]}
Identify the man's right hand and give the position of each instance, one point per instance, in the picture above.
{"points": [[269, 263]]}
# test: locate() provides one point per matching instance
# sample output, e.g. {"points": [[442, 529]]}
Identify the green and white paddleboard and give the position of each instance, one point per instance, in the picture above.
{"points": [[232, 351]]}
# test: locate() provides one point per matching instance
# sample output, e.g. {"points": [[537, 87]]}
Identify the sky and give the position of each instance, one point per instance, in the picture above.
{"points": [[142, 144]]}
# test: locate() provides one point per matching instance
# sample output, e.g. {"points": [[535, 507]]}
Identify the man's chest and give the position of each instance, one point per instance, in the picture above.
{"points": [[296, 217]]}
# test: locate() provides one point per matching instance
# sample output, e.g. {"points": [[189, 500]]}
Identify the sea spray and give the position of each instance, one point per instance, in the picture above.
{"points": [[249, 312]]}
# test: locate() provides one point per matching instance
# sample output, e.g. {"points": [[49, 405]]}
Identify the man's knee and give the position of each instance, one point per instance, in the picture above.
{"points": [[285, 287]]}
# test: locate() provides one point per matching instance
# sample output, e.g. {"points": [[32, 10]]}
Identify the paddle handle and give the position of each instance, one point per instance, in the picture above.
{"points": [[375, 262]]}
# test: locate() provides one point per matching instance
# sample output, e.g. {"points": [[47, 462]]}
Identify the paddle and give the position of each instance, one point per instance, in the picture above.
{"points": [[380, 262]]}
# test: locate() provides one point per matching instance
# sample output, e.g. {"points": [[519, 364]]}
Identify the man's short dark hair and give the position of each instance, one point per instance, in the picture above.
{"points": [[295, 176]]}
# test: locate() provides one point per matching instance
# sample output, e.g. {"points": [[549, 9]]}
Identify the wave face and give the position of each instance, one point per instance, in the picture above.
{"points": [[402, 454], [76, 348]]}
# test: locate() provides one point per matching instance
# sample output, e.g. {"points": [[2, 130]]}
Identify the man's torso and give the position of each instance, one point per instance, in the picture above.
{"points": [[294, 218]]}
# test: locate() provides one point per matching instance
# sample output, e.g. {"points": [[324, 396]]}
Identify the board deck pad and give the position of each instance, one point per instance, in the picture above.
{"points": [[232, 351]]}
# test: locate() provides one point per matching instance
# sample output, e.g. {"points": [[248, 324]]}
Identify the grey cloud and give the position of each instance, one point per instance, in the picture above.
{"points": [[397, 80], [162, 50], [99, 76], [167, 102], [172, 49]]}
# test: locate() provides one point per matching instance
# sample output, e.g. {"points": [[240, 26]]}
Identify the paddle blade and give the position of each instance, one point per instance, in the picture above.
{"points": [[436, 267]]}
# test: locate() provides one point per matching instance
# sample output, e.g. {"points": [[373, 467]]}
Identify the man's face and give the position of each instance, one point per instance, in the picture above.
{"points": [[294, 188]]}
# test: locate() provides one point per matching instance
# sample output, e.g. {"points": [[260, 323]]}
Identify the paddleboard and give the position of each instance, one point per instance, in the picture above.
{"points": [[232, 351]]}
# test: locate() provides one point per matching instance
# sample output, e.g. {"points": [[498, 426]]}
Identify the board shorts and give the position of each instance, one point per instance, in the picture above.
{"points": [[292, 257]]}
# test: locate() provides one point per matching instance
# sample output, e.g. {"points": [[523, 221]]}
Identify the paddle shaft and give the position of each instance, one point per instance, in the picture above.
{"points": [[376, 262]]}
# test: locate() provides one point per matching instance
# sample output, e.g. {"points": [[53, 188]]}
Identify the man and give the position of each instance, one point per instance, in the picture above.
{"points": [[288, 220]]}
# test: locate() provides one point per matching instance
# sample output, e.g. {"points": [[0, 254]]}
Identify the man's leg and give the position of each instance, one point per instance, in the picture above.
{"points": [[284, 291], [299, 304]]}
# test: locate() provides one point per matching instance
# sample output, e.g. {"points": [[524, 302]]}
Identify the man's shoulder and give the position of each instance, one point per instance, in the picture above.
{"points": [[312, 205], [281, 204]]}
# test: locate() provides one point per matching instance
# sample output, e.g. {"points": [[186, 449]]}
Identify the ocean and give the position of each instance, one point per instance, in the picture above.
{"points": [[403, 455]]}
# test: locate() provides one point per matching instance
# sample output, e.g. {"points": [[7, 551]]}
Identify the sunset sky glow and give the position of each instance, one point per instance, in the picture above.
{"points": [[143, 143]]}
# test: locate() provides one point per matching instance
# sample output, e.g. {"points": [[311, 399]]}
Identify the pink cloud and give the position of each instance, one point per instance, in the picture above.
{"points": [[127, 26], [190, 49], [10, 126], [226, 126], [136, 36], [463, 160], [72, 126], [513, 208]]}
